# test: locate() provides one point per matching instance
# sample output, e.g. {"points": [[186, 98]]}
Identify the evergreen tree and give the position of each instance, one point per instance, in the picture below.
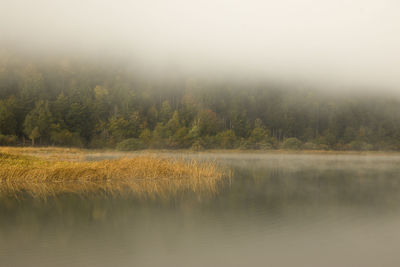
{"points": [[38, 121]]}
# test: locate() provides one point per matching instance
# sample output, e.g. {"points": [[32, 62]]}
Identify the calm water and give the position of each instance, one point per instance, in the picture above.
{"points": [[278, 210]]}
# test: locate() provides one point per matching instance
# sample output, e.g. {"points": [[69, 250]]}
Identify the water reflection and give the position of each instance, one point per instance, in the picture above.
{"points": [[144, 188], [279, 210]]}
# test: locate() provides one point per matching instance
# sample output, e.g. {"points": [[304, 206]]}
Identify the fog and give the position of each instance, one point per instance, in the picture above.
{"points": [[337, 43]]}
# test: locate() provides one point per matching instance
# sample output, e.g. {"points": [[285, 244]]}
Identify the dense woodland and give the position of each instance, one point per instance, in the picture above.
{"points": [[83, 102]]}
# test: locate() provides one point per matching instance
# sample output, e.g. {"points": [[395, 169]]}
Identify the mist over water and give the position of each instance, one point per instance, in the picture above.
{"points": [[279, 210], [332, 44], [186, 75]]}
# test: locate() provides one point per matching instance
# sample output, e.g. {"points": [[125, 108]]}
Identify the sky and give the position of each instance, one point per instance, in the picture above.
{"points": [[352, 43]]}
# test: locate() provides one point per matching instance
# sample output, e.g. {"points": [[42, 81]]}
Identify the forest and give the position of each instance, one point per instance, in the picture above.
{"points": [[91, 103]]}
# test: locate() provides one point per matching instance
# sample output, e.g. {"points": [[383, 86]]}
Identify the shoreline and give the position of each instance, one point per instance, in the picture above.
{"points": [[74, 150]]}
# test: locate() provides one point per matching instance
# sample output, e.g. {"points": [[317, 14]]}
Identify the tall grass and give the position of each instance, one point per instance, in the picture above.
{"points": [[142, 174], [51, 153]]}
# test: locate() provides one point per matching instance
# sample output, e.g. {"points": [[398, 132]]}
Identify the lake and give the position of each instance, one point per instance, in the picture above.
{"points": [[276, 210]]}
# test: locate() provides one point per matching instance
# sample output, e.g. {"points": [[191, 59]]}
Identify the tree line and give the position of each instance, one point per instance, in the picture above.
{"points": [[74, 102]]}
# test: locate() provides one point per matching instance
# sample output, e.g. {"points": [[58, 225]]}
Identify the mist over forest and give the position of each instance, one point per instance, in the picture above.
{"points": [[87, 102], [211, 74]]}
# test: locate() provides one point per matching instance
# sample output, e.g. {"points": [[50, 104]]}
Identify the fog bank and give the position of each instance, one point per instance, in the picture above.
{"points": [[335, 43]]}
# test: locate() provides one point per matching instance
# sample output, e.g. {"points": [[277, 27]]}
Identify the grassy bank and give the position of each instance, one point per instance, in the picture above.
{"points": [[78, 154], [141, 174]]}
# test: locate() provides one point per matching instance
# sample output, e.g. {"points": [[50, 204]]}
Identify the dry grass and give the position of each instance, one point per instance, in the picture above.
{"points": [[49, 149], [142, 174], [50, 153]]}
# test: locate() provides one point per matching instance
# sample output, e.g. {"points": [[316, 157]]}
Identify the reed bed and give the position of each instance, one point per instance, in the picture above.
{"points": [[49, 153], [40, 150], [141, 174]]}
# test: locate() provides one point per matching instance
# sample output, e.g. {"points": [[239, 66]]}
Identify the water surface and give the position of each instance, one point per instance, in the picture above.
{"points": [[277, 210]]}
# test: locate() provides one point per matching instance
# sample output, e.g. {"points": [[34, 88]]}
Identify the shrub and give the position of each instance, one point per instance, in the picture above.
{"points": [[358, 145], [8, 140], [179, 139], [244, 144], [66, 138], [196, 146], [130, 144], [247, 144], [258, 135], [292, 143], [226, 139], [264, 146], [145, 136], [310, 146], [208, 141]]}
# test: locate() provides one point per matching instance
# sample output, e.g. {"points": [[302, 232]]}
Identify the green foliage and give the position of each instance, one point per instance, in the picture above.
{"points": [[78, 119], [34, 134], [311, 146], [173, 124], [82, 104], [207, 121], [194, 133], [226, 139], [328, 139], [165, 112], [130, 144], [152, 117], [209, 141], [159, 136], [119, 128], [291, 143], [258, 135], [7, 140], [8, 121], [258, 139], [179, 139], [240, 124], [136, 125], [63, 137], [349, 134], [145, 137], [101, 136], [38, 121], [197, 146], [358, 145]]}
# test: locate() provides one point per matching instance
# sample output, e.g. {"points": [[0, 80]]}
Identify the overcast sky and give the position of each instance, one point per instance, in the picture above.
{"points": [[352, 42]]}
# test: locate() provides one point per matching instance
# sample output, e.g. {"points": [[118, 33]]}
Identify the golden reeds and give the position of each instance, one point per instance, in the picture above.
{"points": [[50, 149], [141, 174], [51, 153]]}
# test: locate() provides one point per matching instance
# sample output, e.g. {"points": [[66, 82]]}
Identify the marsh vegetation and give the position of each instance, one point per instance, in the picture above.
{"points": [[43, 176]]}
